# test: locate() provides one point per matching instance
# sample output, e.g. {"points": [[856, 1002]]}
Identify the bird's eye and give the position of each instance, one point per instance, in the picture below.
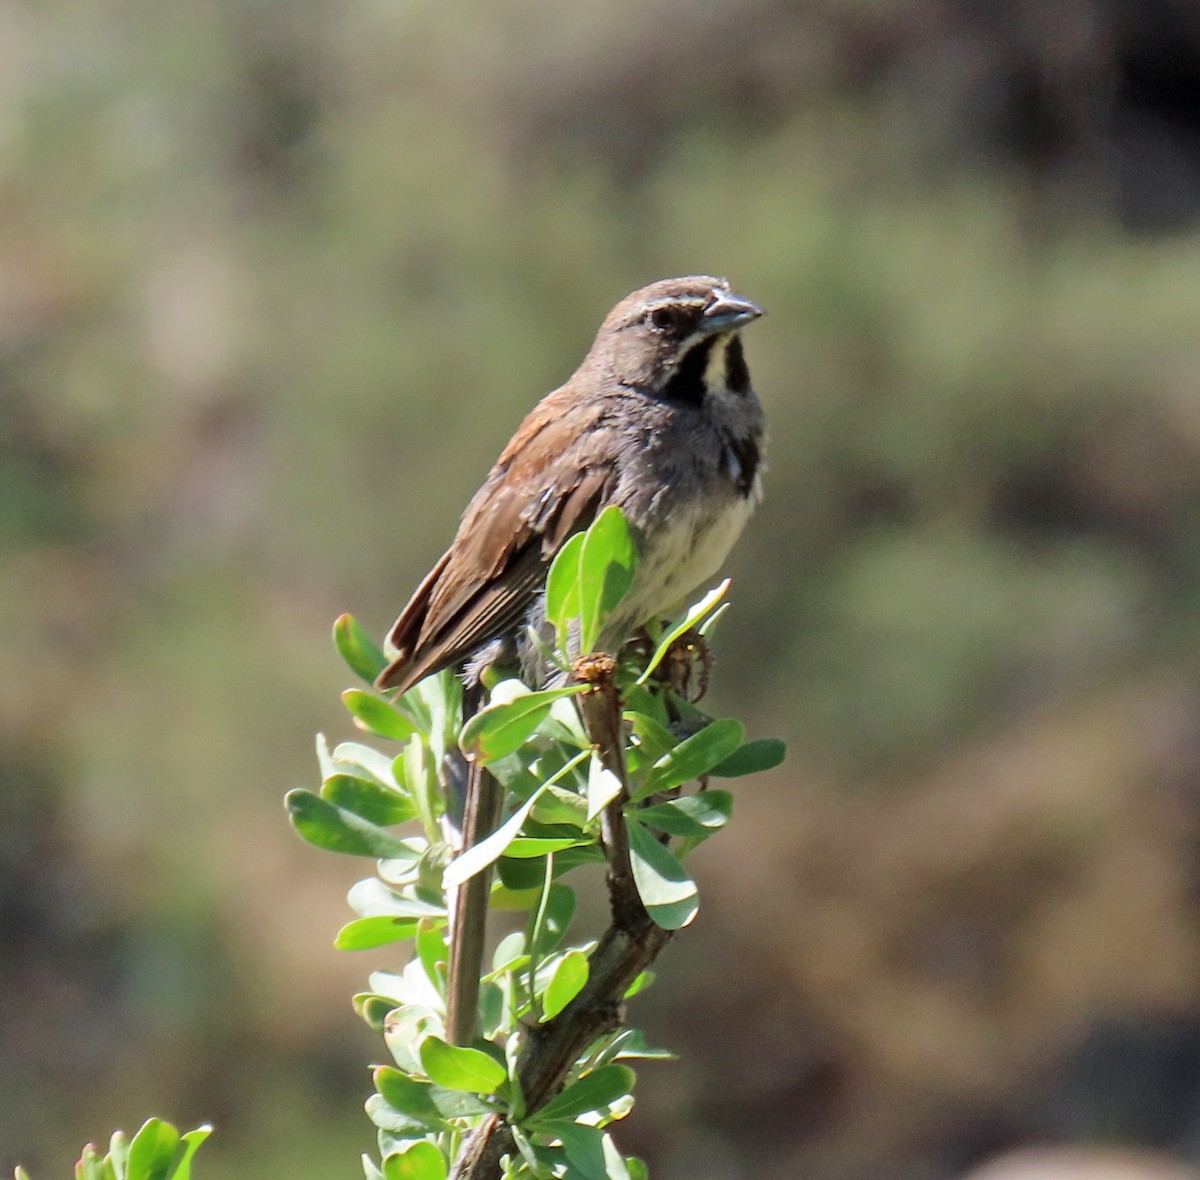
{"points": [[664, 318]]}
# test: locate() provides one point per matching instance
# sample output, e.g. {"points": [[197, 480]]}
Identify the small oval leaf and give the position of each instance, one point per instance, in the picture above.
{"points": [[364, 659], [763, 754], [420, 1161], [565, 984], [499, 730], [693, 757], [694, 816], [594, 1091], [151, 1151], [364, 934], [333, 828], [458, 1067], [607, 564], [377, 716], [668, 893], [365, 797]]}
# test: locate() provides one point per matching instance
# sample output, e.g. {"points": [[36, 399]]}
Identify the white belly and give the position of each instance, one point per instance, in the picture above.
{"points": [[684, 554]]}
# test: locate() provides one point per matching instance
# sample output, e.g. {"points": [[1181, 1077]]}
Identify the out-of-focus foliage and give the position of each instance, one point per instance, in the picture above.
{"points": [[276, 283]]}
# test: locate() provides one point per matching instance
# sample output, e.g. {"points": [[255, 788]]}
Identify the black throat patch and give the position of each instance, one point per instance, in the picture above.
{"points": [[687, 382], [737, 375]]}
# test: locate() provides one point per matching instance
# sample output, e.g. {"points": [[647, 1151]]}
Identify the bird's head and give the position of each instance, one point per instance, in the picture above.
{"points": [[675, 338]]}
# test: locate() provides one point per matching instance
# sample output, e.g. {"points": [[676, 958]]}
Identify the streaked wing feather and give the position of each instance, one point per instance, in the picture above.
{"points": [[484, 585]]}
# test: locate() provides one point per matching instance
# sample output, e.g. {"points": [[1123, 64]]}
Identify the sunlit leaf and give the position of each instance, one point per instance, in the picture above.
{"points": [[407, 1095], [565, 984], [603, 786], [458, 1067], [420, 1161], [693, 757], [607, 564], [562, 588], [377, 716], [364, 934], [366, 798], [583, 1147], [152, 1151], [431, 950], [371, 898], [333, 828], [594, 1091], [356, 647], [526, 847], [501, 729], [685, 623], [694, 816], [668, 893]]}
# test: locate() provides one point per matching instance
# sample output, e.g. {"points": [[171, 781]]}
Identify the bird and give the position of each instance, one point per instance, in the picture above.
{"points": [[659, 419]]}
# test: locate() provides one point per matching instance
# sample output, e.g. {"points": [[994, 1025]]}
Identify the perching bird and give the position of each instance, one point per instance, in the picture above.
{"points": [[660, 420]]}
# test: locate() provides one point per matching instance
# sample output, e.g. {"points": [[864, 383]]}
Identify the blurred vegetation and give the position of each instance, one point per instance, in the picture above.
{"points": [[276, 283]]}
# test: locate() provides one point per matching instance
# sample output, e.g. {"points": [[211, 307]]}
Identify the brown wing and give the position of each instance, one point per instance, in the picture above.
{"points": [[542, 491]]}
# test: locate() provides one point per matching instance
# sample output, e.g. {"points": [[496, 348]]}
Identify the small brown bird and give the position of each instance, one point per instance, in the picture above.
{"points": [[660, 420]]}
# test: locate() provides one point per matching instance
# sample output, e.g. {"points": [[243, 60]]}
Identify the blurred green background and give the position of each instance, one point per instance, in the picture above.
{"points": [[277, 281]]}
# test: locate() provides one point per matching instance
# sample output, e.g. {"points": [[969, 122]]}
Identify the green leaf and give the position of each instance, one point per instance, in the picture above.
{"points": [[614, 1162], [519, 875], [695, 816], [641, 981], [377, 716], [89, 1166], [407, 1095], [510, 949], [188, 1146], [607, 563], [372, 899], [603, 786], [560, 909], [460, 1068], [693, 757], [527, 847], [582, 1145], [631, 1045], [562, 589], [365, 934], [501, 729], [440, 697], [431, 950], [336, 830], [373, 1009], [402, 1031], [476, 858], [685, 623], [560, 805], [118, 1154], [763, 754], [421, 1161], [363, 762], [387, 1118], [594, 1091], [366, 798], [480, 855], [151, 1152], [566, 983], [357, 649], [654, 739], [668, 893]]}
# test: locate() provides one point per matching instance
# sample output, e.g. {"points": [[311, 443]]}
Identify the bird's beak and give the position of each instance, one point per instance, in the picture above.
{"points": [[728, 312]]}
